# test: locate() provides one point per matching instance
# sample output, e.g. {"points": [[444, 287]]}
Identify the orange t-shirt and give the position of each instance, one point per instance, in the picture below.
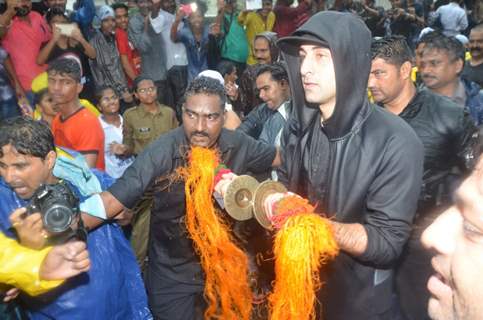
{"points": [[81, 132]]}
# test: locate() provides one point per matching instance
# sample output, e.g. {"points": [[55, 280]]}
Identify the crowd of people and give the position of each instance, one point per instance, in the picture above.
{"points": [[375, 115]]}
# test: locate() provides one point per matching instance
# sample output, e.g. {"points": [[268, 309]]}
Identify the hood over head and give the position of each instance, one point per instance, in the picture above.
{"points": [[349, 41], [272, 42]]}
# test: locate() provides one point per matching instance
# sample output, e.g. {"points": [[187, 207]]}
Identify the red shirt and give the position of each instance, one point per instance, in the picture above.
{"points": [[125, 47], [23, 42], [289, 18], [81, 132]]}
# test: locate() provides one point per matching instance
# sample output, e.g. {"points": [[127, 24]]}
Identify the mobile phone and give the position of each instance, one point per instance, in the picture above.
{"points": [[188, 9], [65, 28]]}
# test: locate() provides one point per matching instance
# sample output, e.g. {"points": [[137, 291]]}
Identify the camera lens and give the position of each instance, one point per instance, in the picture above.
{"points": [[57, 219]]}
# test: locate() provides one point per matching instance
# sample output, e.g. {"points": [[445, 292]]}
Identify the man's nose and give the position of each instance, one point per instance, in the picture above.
{"points": [[200, 124]]}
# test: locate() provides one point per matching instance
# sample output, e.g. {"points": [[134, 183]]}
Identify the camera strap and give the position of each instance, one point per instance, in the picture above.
{"points": [[80, 233]]}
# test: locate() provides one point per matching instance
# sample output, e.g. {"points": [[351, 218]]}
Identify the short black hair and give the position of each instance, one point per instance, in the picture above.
{"points": [[139, 79], [208, 86], [66, 67], [393, 49], [277, 70], [225, 67], [428, 36], [27, 136], [100, 92], [120, 5], [54, 12], [453, 48]]}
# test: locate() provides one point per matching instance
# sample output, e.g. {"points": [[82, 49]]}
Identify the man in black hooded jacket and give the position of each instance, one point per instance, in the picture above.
{"points": [[360, 164]]}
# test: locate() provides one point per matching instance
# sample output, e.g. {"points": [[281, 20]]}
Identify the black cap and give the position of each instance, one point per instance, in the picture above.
{"points": [[291, 44]]}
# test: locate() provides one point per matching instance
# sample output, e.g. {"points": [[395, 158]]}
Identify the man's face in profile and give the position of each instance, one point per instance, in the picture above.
{"points": [[456, 238]]}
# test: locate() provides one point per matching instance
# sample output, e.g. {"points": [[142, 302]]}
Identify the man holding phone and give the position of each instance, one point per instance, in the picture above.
{"points": [[23, 32]]}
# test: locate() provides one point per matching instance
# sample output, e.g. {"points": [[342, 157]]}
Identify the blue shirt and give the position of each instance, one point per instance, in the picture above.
{"points": [[111, 289], [197, 52]]}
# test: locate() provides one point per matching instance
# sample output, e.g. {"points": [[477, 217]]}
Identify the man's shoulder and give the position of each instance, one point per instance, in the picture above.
{"points": [[383, 126]]}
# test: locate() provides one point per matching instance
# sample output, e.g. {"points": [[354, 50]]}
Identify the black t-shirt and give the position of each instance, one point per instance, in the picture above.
{"points": [[171, 252], [473, 73]]}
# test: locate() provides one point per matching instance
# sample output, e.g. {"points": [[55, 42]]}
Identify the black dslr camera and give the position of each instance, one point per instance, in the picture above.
{"points": [[58, 206]]}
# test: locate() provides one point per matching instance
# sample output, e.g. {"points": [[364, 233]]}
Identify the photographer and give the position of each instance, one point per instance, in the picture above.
{"points": [[112, 288]]}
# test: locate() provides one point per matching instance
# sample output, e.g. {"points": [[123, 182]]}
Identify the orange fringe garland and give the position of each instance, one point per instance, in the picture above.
{"points": [[225, 265], [304, 242]]}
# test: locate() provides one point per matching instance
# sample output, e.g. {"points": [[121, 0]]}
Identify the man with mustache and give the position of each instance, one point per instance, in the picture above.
{"points": [[441, 64], [174, 278], [473, 70], [23, 32]]}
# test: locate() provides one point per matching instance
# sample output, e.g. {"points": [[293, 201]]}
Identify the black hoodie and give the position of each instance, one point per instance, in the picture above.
{"points": [[363, 165]]}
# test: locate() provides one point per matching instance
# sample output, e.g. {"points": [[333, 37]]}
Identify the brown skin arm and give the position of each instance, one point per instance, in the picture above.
{"points": [[351, 237], [112, 206], [128, 69]]}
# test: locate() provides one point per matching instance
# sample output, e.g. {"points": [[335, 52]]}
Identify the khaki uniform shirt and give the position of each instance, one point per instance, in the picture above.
{"points": [[142, 127]]}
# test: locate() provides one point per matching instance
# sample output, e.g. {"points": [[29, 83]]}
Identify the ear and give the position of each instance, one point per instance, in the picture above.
{"points": [[459, 64], [79, 88], [406, 69], [50, 159]]}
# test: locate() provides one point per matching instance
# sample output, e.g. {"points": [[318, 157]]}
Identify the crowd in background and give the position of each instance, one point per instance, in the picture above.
{"points": [[110, 80]]}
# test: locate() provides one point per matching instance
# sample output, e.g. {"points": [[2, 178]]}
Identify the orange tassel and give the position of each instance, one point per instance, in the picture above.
{"points": [[225, 265], [304, 242]]}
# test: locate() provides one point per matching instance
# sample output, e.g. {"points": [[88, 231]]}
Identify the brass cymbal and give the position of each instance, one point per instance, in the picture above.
{"points": [[265, 189], [238, 199]]}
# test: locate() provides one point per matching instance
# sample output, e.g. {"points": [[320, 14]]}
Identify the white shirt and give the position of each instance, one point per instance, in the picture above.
{"points": [[175, 52], [115, 166], [453, 19]]}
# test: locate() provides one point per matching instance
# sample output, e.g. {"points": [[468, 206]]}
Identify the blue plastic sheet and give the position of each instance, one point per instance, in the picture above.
{"points": [[111, 289]]}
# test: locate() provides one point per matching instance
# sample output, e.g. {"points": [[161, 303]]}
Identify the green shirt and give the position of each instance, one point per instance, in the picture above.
{"points": [[142, 127], [235, 45]]}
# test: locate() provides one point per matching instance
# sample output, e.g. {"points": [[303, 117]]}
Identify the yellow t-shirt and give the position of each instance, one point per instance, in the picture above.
{"points": [[254, 24]]}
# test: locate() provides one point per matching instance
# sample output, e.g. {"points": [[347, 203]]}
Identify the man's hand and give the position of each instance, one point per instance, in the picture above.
{"points": [[77, 34], [65, 261], [12, 4], [179, 15], [117, 149], [231, 91], [56, 33], [30, 229], [11, 294]]}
